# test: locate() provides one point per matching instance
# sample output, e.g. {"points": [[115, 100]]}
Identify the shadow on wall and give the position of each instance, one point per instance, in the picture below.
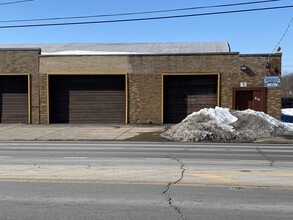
{"points": [[287, 102]]}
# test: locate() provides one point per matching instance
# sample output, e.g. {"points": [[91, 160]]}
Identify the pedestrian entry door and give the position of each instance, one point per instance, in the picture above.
{"points": [[249, 98]]}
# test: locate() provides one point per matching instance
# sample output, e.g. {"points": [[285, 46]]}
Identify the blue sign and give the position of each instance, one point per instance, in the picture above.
{"points": [[272, 81]]}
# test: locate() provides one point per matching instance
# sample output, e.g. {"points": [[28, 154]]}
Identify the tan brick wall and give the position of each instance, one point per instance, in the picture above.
{"points": [[144, 70], [274, 103], [144, 76], [144, 105], [24, 62], [144, 98]]}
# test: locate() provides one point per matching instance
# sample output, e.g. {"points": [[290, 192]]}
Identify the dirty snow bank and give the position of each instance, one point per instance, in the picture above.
{"points": [[224, 125]]}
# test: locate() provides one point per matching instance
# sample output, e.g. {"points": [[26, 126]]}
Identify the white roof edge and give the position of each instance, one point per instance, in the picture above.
{"points": [[126, 48]]}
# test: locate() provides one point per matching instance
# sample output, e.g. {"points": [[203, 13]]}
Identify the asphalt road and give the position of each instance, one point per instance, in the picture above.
{"points": [[121, 180]]}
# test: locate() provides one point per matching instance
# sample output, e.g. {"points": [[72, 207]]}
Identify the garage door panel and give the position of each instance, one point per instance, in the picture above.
{"points": [[197, 100], [116, 108], [93, 107], [98, 110], [184, 94], [14, 99], [87, 99], [98, 98]]}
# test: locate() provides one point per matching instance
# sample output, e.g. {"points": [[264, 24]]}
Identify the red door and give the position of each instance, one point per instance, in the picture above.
{"points": [[244, 100], [249, 98], [257, 101]]}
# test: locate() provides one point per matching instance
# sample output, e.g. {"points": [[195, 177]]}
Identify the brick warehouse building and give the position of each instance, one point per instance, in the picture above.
{"points": [[131, 83]]}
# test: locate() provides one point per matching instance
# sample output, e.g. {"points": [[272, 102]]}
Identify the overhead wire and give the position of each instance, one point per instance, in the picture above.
{"points": [[141, 13], [146, 18], [283, 36], [267, 63], [15, 2]]}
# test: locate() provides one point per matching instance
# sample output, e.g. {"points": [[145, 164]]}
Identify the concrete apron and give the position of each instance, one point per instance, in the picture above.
{"points": [[79, 132], [98, 132]]}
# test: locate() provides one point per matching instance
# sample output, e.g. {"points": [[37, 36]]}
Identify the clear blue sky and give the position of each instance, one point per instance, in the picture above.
{"points": [[250, 32]]}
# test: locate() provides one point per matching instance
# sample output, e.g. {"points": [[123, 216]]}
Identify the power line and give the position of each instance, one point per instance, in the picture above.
{"points": [[146, 19], [278, 44], [15, 2], [140, 13], [286, 31]]}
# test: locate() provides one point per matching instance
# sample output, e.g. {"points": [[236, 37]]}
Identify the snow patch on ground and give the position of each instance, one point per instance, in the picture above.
{"points": [[224, 125], [287, 111]]}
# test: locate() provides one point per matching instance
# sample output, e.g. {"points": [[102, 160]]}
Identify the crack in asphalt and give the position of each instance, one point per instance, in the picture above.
{"points": [[167, 194], [272, 161]]}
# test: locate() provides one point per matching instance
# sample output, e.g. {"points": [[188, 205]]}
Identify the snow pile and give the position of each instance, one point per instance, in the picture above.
{"points": [[84, 52], [221, 117], [223, 125], [287, 111], [287, 115]]}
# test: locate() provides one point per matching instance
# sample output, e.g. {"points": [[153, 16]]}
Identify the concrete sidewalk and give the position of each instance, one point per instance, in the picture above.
{"points": [[78, 132], [97, 132]]}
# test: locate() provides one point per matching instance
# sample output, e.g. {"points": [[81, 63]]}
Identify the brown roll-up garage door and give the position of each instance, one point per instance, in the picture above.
{"points": [[14, 98], [87, 98], [184, 94]]}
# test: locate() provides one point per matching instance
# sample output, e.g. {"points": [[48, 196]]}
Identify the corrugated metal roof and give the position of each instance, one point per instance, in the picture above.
{"points": [[126, 48]]}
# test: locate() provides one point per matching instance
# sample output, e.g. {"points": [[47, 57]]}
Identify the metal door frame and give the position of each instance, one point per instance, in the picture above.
{"points": [[88, 74]]}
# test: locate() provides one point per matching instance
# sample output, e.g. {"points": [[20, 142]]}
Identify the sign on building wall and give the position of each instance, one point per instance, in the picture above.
{"points": [[272, 81]]}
